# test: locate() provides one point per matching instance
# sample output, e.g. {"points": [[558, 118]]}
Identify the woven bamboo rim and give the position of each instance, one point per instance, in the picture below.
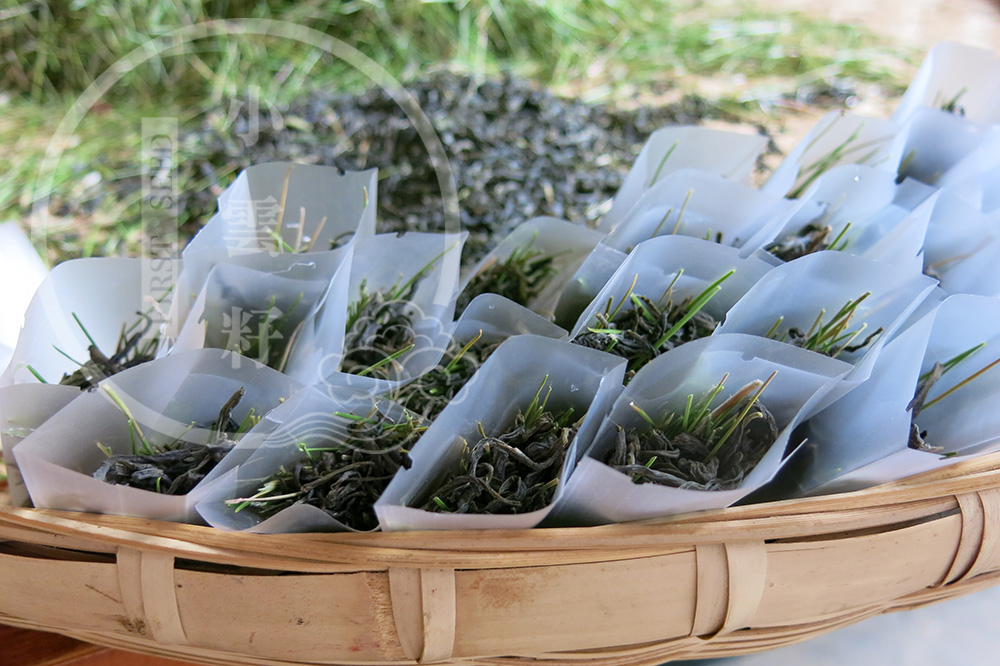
{"points": [[711, 584]]}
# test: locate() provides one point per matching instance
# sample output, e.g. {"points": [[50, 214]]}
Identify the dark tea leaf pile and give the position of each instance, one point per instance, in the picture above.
{"points": [[175, 469], [700, 448], [647, 329], [134, 347], [520, 277], [513, 472], [343, 478], [427, 395]]}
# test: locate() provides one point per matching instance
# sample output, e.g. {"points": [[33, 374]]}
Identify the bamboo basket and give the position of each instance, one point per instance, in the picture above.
{"points": [[711, 584]]}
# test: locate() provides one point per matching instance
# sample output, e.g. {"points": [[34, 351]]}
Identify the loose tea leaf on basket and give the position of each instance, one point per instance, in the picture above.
{"points": [[699, 448], [346, 478], [379, 331], [520, 277], [380, 327], [134, 348], [427, 395], [920, 402], [648, 329], [811, 238], [175, 468], [832, 338], [515, 471]]}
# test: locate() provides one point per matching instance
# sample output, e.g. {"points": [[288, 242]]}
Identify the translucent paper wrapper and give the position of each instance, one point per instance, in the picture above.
{"points": [[21, 272], [198, 266], [300, 233], [938, 141], [654, 265], [956, 232], [308, 420], [963, 77], [703, 205], [106, 295], [859, 204], [598, 494], [715, 205], [838, 138], [256, 208], [976, 178], [824, 282], [731, 155], [499, 318], [862, 439], [975, 274], [165, 396], [567, 243], [381, 263], [249, 312], [23, 408], [584, 379]]}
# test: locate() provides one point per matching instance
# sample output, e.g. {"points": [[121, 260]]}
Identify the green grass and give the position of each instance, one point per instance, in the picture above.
{"points": [[603, 49], [63, 46]]}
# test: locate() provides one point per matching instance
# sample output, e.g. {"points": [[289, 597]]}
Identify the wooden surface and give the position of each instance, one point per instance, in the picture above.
{"points": [[23, 647], [704, 585]]}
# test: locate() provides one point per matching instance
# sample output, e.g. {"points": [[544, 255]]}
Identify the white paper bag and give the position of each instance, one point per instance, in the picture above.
{"points": [[936, 142], [488, 321], [862, 439], [336, 205], [566, 243], [838, 138], [956, 75], [105, 294], [703, 205], [165, 397], [859, 205], [598, 494], [584, 379], [797, 292], [653, 266], [21, 271], [955, 232], [386, 262], [251, 313], [731, 155]]}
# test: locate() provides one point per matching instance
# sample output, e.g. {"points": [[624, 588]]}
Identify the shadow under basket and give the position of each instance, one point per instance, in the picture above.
{"points": [[711, 584]]}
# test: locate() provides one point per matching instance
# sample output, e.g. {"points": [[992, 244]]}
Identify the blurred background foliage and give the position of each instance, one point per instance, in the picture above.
{"points": [[737, 57]]}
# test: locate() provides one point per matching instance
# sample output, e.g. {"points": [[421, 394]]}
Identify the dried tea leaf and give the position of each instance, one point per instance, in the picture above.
{"points": [[430, 393], [344, 479], [133, 348], [811, 238], [515, 471], [831, 338], [379, 330], [649, 328], [700, 448], [176, 468], [918, 437], [520, 277]]}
